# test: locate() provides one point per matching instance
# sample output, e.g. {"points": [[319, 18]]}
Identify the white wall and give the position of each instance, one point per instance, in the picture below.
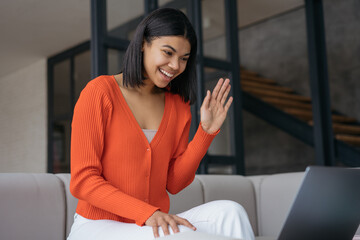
{"points": [[23, 119]]}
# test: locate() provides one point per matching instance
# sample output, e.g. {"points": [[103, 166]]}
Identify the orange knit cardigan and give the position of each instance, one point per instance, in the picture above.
{"points": [[115, 173]]}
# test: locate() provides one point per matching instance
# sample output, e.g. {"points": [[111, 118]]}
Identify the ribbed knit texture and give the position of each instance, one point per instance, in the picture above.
{"points": [[115, 173]]}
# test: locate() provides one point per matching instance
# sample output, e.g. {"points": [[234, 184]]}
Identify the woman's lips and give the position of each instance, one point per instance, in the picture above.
{"points": [[166, 75]]}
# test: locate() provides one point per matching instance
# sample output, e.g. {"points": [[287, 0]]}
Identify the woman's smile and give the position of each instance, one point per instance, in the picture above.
{"points": [[166, 75], [170, 75]]}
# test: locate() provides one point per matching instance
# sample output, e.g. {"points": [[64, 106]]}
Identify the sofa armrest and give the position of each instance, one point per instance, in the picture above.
{"points": [[32, 206], [71, 201]]}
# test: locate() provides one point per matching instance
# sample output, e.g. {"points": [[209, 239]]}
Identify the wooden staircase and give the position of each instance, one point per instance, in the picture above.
{"points": [[346, 129]]}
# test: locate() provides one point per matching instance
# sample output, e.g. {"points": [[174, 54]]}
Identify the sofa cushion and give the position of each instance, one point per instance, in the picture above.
{"points": [[71, 201], [256, 181], [190, 197], [32, 206], [236, 188], [275, 197]]}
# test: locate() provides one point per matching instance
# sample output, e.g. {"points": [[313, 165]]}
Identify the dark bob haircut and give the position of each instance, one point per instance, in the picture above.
{"points": [[162, 22]]}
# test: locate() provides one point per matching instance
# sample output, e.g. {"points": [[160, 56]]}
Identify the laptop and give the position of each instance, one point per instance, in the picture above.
{"points": [[327, 205]]}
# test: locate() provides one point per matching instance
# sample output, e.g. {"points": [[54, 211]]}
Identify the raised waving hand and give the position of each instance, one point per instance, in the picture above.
{"points": [[214, 108]]}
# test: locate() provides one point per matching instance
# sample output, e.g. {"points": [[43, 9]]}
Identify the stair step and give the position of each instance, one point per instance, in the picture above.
{"points": [[340, 128], [270, 93], [248, 72], [249, 83], [281, 102], [257, 79], [353, 140], [307, 115], [344, 119], [347, 129], [299, 106], [339, 119]]}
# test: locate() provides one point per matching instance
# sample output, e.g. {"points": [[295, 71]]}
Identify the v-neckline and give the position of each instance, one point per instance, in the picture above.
{"points": [[163, 122]]}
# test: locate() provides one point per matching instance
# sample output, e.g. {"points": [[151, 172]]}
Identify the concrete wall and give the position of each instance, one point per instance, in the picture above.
{"points": [[343, 49], [277, 48], [23, 120]]}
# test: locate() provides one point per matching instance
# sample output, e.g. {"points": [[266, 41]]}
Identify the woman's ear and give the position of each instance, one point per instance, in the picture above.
{"points": [[143, 45]]}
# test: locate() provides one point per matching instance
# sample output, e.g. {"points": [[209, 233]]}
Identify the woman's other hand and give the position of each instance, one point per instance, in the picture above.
{"points": [[163, 220], [214, 108]]}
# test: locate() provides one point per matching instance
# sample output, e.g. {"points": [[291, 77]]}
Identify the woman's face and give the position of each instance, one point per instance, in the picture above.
{"points": [[165, 58]]}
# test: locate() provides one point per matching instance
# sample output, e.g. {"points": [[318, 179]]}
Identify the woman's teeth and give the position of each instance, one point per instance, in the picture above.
{"points": [[166, 73]]}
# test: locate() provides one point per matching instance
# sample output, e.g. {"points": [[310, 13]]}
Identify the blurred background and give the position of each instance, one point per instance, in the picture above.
{"points": [[45, 62]]}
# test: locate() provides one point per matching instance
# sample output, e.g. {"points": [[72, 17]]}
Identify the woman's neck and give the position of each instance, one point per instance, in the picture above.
{"points": [[147, 89]]}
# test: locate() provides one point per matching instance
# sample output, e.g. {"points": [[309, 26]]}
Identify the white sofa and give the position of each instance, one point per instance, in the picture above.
{"points": [[40, 206]]}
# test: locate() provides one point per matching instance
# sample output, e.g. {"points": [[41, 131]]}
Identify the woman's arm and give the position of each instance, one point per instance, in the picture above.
{"points": [[187, 158], [183, 166]]}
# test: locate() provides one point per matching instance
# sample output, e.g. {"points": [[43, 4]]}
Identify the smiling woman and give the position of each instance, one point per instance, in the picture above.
{"points": [[129, 144]]}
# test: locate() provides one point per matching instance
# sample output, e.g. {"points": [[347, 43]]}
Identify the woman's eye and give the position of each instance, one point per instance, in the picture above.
{"points": [[184, 59], [167, 52]]}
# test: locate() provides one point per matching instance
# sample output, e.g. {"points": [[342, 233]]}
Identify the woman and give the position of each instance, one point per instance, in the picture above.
{"points": [[130, 145]]}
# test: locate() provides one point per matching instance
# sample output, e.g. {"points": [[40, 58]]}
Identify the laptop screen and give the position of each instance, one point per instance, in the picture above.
{"points": [[327, 205]]}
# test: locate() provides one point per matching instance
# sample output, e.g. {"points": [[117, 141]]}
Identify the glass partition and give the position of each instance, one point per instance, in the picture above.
{"points": [[82, 72], [213, 27], [223, 143], [62, 90], [123, 17], [62, 112], [115, 61]]}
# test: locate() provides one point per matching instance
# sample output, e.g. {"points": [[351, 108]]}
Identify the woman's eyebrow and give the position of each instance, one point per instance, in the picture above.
{"points": [[168, 46]]}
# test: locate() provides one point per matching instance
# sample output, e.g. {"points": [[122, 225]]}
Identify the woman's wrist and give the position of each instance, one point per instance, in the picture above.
{"points": [[207, 129]]}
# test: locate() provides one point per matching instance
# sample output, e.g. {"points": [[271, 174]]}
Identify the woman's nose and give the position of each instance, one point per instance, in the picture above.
{"points": [[174, 64]]}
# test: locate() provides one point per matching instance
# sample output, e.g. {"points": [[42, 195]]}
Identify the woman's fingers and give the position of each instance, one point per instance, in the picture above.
{"points": [[186, 223], [174, 226], [163, 220], [165, 227], [223, 88], [206, 101], [224, 97], [155, 231], [228, 104], [217, 88], [220, 92]]}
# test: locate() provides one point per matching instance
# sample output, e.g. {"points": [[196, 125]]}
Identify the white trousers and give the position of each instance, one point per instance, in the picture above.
{"points": [[221, 217]]}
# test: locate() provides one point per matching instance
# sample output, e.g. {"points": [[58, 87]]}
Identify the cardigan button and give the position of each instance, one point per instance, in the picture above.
{"points": [[148, 149]]}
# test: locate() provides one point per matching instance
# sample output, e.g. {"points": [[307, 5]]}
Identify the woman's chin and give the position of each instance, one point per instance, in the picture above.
{"points": [[163, 86], [163, 83]]}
